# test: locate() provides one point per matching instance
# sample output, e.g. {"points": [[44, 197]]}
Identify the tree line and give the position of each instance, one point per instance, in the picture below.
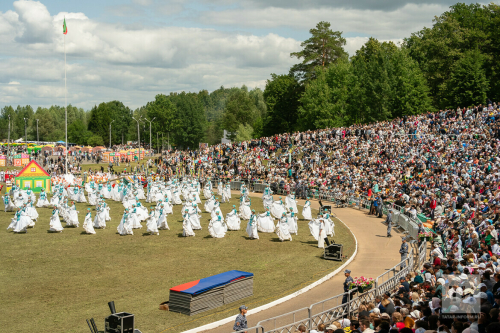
{"points": [[452, 64]]}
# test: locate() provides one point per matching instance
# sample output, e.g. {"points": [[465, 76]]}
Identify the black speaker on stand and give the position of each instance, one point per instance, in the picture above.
{"points": [[121, 322], [333, 251]]}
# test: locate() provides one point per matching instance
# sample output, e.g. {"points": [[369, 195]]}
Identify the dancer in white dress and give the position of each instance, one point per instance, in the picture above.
{"points": [[87, 223], [81, 195], [265, 222], [245, 211], [9, 205], [226, 193], [233, 220], [19, 223], [290, 202], [134, 220], [278, 208], [55, 223], [100, 217], [42, 200], [73, 216], [124, 228], [215, 209], [329, 225], [162, 219], [151, 225], [317, 228], [282, 229], [306, 211], [252, 226], [217, 227], [267, 201], [187, 228], [292, 222]]}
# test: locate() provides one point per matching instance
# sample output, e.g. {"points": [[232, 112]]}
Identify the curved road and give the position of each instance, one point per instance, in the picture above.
{"points": [[376, 254]]}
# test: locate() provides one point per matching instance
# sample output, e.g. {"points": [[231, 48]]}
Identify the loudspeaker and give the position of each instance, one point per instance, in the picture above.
{"points": [[334, 252], [121, 322], [327, 242]]}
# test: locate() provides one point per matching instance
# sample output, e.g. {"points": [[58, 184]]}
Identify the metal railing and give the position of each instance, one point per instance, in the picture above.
{"points": [[256, 329], [332, 309]]}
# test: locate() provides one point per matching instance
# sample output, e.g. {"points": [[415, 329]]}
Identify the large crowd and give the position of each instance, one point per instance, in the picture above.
{"points": [[442, 166]]}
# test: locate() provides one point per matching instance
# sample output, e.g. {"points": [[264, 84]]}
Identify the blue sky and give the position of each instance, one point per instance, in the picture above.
{"points": [[131, 50]]}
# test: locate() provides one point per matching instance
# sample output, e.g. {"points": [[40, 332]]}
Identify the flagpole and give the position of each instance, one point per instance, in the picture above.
{"points": [[65, 107]]}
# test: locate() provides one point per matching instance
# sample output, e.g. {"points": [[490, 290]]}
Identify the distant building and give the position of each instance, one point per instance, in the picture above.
{"points": [[225, 137]]}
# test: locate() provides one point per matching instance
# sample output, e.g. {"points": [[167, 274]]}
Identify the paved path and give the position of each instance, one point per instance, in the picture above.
{"points": [[376, 253]]}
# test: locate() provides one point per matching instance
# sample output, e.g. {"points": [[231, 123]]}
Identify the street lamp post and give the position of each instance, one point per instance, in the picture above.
{"points": [[8, 142], [150, 121], [138, 136], [157, 141], [110, 133], [37, 140], [26, 134], [168, 142]]}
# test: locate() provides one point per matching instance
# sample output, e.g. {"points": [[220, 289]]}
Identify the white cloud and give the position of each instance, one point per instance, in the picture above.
{"points": [[14, 83]]}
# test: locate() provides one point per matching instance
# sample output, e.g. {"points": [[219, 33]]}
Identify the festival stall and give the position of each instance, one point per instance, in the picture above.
{"points": [[108, 157], [87, 149], [3, 160], [48, 150], [98, 149], [33, 176], [21, 159]]}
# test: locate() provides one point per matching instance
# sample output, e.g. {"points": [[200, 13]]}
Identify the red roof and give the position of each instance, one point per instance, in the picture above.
{"points": [[29, 164]]}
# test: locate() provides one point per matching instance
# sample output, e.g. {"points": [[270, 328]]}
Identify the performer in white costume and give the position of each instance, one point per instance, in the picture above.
{"points": [[245, 211], [9, 205], [42, 200], [187, 228], [252, 226], [100, 217], [290, 202], [162, 219], [216, 227], [282, 229], [151, 225], [55, 223], [233, 220], [124, 228], [278, 208], [87, 223], [19, 223], [265, 222], [306, 211], [73, 216], [292, 222], [226, 193], [317, 228]]}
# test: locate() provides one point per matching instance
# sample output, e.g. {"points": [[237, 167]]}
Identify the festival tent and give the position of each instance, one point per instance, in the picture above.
{"points": [[49, 149], [97, 149], [205, 294], [3, 160], [87, 149], [33, 176], [21, 159]]}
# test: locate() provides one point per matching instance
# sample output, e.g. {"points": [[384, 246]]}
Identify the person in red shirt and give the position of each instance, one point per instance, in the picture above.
{"points": [[433, 207]]}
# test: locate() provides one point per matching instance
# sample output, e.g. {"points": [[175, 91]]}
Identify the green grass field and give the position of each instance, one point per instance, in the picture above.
{"points": [[52, 282]]}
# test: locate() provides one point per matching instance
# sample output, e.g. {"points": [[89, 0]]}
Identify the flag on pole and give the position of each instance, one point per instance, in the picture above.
{"points": [[65, 28]]}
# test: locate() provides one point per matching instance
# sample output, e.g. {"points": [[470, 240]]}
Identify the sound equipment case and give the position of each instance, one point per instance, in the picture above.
{"points": [[334, 252], [121, 322]]}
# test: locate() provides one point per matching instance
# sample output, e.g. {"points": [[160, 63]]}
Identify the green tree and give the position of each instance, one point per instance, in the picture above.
{"points": [[325, 101], [165, 112], [78, 133], [95, 140], [324, 47], [101, 117], [244, 133], [468, 84], [281, 95], [191, 120], [240, 109]]}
